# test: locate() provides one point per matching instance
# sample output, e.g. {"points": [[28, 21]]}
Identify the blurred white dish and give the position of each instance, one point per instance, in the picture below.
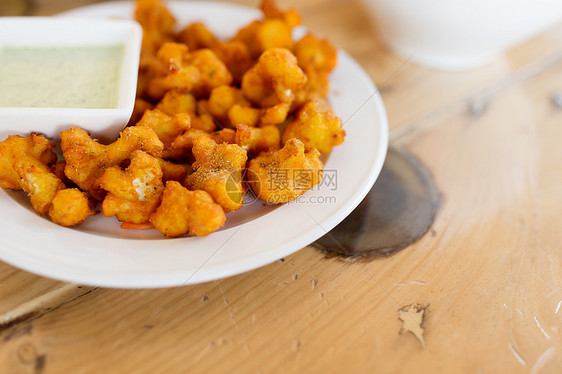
{"points": [[99, 253], [52, 36], [457, 34]]}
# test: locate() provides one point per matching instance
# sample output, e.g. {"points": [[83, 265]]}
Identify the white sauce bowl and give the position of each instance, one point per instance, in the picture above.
{"points": [[56, 32]]}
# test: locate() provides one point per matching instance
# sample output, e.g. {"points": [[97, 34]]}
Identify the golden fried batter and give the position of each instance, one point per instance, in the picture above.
{"points": [[184, 143], [270, 11], [317, 57], [221, 100], [284, 175], [250, 116], [236, 57], [167, 127], [275, 79], [259, 36], [218, 170], [315, 54], [255, 140], [197, 36], [24, 166], [172, 171], [157, 23], [183, 211], [197, 72], [203, 122], [135, 193], [87, 160], [178, 101], [315, 127], [58, 169], [246, 115], [70, 207]]}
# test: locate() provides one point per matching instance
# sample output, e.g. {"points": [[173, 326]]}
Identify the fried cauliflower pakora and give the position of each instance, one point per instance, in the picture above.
{"points": [[250, 116], [315, 127], [218, 170], [259, 36], [172, 171], [256, 140], [191, 84], [187, 212], [177, 101], [167, 127], [134, 193], [158, 28], [221, 100], [275, 79], [236, 57], [270, 11], [184, 142], [317, 57], [197, 36], [87, 160], [70, 207], [157, 23], [196, 72], [24, 165], [284, 175]]}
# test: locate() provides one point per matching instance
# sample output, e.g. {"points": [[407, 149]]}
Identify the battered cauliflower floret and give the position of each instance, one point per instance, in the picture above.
{"points": [[87, 160], [315, 127], [270, 11], [197, 72], [250, 116], [70, 207], [167, 127], [187, 212], [177, 101], [184, 142], [317, 57], [282, 176], [157, 23], [24, 166], [256, 140], [221, 100], [218, 170], [236, 57], [246, 115], [203, 122], [275, 79], [197, 36], [259, 36], [172, 171], [134, 193]]}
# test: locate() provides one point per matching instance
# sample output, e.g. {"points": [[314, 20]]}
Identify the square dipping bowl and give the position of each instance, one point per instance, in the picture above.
{"points": [[23, 39]]}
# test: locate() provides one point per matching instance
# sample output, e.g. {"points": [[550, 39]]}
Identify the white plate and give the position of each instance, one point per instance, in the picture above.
{"points": [[99, 253]]}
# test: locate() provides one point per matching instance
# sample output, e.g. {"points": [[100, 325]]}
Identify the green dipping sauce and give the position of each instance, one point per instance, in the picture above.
{"points": [[61, 77]]}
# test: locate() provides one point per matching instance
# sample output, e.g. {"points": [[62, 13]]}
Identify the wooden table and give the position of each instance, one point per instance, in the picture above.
{"points": [[489, 274]]}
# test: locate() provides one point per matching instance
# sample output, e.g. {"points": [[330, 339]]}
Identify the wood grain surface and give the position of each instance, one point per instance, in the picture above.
{"points": [[480, 293]]}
